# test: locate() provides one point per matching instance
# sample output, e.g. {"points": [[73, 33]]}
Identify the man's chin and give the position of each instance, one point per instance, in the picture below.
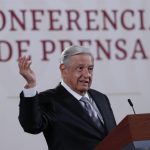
{"points": [[84, 90]]}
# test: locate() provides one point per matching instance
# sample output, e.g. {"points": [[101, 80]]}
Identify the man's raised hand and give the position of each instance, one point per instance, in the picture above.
{"points": [[25, 70]]}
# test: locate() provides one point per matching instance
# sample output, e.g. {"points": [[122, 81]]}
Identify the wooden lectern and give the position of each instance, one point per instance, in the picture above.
{"points": [[133, 128]]}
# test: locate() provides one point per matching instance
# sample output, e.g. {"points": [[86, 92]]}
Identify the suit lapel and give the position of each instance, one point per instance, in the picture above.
{"points": [[67, 100], [72, 104]]}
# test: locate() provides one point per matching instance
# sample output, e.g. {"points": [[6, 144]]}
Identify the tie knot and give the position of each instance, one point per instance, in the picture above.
{"points": [[85, 102], [84, 99]]}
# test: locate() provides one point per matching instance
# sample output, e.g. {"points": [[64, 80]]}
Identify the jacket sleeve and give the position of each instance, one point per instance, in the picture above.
{"points": [[32, 117]]}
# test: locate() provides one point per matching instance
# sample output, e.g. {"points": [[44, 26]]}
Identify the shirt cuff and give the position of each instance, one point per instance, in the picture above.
{"points": [[29, 92]]}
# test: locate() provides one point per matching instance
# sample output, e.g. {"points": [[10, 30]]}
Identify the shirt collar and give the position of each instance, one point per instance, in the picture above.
{"points": [[76, 95]]}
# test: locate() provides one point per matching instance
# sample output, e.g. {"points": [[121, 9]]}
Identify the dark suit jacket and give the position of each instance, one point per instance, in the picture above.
{"points": [[63, 121]]}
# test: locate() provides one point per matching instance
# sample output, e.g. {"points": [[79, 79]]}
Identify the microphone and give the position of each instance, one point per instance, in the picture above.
{"points": [[131, 104]]}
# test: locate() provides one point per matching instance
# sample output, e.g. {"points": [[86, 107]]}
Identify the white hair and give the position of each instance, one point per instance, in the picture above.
{"points": [[73, 50]]}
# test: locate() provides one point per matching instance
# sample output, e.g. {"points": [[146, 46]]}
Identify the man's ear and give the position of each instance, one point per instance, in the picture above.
{"points": [[63, 70], [62, 67]]}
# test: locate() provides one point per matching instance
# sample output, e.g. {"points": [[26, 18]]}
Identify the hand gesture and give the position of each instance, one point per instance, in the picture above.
{"points": [[26, 71]]}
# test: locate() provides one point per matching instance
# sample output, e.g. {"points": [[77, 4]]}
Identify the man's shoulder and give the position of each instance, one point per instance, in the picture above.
{"points": [[53, 91], [99, 95], [96, 92]]}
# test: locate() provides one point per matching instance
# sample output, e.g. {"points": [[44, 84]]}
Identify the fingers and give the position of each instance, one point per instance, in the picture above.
{"points": [[24, 63], [25, 70]]}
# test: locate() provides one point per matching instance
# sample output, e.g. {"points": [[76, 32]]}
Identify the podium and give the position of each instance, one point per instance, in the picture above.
{"points": [[132, 133]]}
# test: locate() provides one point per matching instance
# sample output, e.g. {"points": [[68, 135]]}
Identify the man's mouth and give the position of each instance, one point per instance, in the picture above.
{"points": [[84, 81]]}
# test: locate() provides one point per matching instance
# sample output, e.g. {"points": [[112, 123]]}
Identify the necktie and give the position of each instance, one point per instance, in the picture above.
{"points": [[89, 108]]}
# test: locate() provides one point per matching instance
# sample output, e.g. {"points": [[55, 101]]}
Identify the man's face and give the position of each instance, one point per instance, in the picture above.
{"points": [[78, 73]]}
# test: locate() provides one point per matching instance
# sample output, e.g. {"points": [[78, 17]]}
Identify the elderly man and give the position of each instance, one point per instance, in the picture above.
{"points": [[71, 116]]}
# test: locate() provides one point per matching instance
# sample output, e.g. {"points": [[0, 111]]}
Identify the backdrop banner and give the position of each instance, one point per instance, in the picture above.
{"points": [[117, 32]]}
